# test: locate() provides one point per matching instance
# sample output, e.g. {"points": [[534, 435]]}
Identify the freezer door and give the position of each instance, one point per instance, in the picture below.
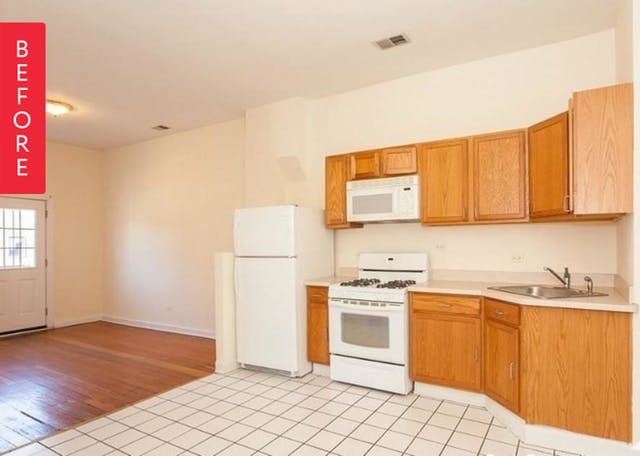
{"points": [[266, 312], [265, 231]]}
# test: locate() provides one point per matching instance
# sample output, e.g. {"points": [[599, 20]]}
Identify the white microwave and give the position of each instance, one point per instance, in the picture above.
{"points": [[381, 200]]}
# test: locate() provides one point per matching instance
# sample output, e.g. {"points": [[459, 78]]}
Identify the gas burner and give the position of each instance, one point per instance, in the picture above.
{"points": [[397, 284], [360, 283]]}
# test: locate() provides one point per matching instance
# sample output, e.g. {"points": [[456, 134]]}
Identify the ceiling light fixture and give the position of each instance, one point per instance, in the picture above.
{"points": [[57, 108]]}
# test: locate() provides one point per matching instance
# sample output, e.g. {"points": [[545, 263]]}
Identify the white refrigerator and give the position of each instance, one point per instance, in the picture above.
{"points": [[277, 249]]}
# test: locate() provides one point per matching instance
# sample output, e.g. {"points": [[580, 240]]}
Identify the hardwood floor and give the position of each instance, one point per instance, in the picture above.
{"points": [[59, 378]]}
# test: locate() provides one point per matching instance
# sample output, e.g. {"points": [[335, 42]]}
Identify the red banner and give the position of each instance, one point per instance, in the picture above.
{"points": [[22, 107]]}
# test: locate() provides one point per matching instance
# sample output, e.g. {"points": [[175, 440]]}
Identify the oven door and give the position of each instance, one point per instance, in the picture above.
{"points": [[361, 330]]}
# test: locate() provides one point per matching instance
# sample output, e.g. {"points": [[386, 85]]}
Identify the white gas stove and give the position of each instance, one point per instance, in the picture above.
{"points": [[369, 320]]}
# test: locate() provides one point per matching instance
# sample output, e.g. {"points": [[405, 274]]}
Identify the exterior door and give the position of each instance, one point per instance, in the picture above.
{"points": [[22, 264]]}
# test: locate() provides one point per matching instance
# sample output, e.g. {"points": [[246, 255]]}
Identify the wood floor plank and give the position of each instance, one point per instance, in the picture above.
{"points": [[57, 379]]}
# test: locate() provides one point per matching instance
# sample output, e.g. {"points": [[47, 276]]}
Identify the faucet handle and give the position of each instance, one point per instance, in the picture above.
{"points": [[589, 281]]}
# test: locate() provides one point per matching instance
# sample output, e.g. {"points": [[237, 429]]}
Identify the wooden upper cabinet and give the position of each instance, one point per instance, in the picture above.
{"points": [[602, 146], [336, 176], [399, 160], [444, 172], [499, 176], [549, 167], [365, 165], [318, 325]]}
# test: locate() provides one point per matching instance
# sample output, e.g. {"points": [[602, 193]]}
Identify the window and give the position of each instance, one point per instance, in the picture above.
{"points": [[17, 238]]}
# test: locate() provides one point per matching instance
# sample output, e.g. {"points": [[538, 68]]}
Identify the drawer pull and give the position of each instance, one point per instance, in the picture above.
{"points": [[499, 313], [317, 296], [444, 305]]}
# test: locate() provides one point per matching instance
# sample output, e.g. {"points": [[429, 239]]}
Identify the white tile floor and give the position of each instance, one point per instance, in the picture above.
{"points": [[249, 413]]}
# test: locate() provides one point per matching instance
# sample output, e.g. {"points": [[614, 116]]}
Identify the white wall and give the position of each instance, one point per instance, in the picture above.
{"points": [[75, 184], [498, 93], [624, 73], [169, 208]]}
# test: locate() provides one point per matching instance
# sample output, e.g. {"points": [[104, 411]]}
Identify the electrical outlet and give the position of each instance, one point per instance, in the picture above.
{"points": [[440, 246], [517, 258]]}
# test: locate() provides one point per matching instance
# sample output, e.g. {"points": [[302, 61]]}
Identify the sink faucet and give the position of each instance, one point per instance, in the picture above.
{"points": [[565, 279]]}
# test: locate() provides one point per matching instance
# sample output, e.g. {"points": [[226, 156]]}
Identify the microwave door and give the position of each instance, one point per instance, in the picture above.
{"points": [[373, 204]]}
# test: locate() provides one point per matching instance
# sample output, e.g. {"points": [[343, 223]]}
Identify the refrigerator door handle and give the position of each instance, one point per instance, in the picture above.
{"points": [[236, 287]]}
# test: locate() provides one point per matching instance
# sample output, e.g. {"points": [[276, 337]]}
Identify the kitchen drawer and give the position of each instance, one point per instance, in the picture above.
{"points": [[502, 312], [464, 305], [318, 295]]}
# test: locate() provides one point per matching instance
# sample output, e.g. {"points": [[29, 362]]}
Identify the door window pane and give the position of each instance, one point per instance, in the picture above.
{"points": [[17, 238], [365, 330]]}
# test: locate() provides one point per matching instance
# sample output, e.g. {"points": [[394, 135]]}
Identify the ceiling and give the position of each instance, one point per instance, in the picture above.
{"points": [[127, 65]]}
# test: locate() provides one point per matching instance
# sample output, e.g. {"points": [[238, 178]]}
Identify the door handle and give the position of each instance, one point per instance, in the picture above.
{"points": [[511, 373], [476, 355]]}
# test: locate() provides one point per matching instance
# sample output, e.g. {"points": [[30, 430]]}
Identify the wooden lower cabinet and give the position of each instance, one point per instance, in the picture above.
{"points": [[566, 368], [445, 348], [576, 370], [318, 325], [501, 362]]}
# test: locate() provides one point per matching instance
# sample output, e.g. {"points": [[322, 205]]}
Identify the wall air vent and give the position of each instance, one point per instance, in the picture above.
{"points": [[161, 127], [392, 41]]}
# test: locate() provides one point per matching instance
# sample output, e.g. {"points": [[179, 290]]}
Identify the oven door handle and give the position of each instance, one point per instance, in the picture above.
{"points": [[386, 309]]}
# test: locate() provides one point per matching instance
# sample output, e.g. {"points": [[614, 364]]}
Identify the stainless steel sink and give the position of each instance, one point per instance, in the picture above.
{"points": [[547, 291]]}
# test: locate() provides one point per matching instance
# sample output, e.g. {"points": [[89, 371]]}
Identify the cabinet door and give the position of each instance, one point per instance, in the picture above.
{"points": [[501, 363], [499, 176], [445, 349], [336, 176], [317, 325], [444, 180], [365, 165], [577, 370], [602, 150], [399, 160], [549, 167]]}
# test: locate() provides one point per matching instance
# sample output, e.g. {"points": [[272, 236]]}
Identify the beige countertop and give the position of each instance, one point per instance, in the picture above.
{"points": [[326, 281], [615, 302]]}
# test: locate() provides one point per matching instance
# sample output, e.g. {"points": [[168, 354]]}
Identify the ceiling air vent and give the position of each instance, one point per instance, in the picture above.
{"points": [[392, 41], [161, 127]]}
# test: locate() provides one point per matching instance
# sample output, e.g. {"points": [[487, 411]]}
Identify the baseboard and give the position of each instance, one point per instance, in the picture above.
{"points": [[544, 436], [449, 394], [222, 367], [76, 321], [159, 326], [322, 370]]}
